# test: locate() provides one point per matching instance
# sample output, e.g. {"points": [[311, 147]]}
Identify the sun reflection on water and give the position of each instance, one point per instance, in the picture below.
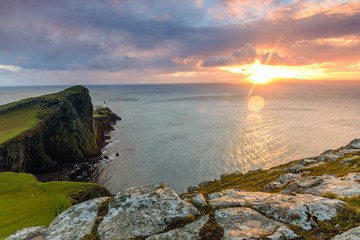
{"points": [[256, 103]]}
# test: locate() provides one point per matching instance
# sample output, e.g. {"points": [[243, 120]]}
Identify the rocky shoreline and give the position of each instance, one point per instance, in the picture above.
{"points": [[312, 198]]}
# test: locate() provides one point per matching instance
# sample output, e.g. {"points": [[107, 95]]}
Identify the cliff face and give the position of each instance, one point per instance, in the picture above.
{"points": [[65, 133]]}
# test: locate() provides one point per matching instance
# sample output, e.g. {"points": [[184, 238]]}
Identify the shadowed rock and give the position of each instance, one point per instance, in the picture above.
{"points": [[189, 232], [28, 233]]}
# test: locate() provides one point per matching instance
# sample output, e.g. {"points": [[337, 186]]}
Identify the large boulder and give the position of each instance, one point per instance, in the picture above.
{"points": [[143, 211], [189, 232], [76, 221], [245, 223], [303, 210], [28, 233]]}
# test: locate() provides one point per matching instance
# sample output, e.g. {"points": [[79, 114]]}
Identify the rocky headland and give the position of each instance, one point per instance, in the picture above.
{"points": [[42, 134], [312, 198]]}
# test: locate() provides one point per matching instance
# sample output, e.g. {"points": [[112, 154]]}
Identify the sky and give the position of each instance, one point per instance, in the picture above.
{"points": [[67, 42]]}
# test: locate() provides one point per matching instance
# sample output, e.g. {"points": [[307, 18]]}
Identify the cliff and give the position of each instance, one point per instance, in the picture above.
{"points": [[312, 198], [41, 133]]}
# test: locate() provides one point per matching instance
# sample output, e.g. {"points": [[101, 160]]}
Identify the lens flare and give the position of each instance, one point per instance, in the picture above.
{"points": [[256, 103]]}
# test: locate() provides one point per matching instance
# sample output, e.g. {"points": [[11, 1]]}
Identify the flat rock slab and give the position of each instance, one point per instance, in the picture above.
{"points": [[323, 184], [189, 232], [245, 223], [76, 221], [352, 234], [303, 210], [143, 211], [28, 233]]}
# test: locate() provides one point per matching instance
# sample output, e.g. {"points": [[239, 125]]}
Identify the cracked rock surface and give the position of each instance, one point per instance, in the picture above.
{"points": [[303, 210], [75, 222], [189, 232], [143, 211], [245, 223]]}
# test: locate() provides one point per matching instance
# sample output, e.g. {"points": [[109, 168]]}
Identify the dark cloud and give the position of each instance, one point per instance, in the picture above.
{"points": [[105, 62], [272, 58], [217, 61], [247, 54]]}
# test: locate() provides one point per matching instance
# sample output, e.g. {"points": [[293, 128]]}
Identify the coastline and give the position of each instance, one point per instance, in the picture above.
{"points": [[310, 198]]}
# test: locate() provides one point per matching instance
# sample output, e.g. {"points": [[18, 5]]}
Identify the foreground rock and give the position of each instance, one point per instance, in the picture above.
{"points": [[324, 184], [28, 233], [352, 234], [245, 223], [303, 210], [75, 222], [189, 232], [144, 211]]}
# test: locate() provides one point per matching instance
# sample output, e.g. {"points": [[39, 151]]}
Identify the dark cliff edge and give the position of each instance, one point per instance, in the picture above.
{"points": [[66, 131]]}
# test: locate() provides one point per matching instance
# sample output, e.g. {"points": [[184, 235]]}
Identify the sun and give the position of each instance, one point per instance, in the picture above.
{"points": [[261, 74]]}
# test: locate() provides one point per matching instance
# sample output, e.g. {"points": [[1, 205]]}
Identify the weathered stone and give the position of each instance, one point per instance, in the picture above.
{"points": [[324, 184], [352, 177], [354, 144], [193, 189], [281, 181], [312, 165], [328, 156], [75, 222], [283, 232], [28, 233], [198, 200], [189, 232], [302, 209], [352, 234], [348, 161], [203, 183], [245, 223], [143, 211], [294, 168]]}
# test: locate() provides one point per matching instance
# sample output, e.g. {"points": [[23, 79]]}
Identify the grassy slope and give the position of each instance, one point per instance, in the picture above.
{"points": [[14, 123], [26, 202]]}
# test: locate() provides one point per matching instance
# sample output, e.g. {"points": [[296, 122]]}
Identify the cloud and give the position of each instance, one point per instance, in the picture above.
{"points": [[174, 36], [115, 64], [247, 54]]}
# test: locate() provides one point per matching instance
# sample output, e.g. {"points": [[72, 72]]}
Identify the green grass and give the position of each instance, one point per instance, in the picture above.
{"points": [[59, 95], [25, 202], [336, 168], [14, 123], [254, 182], [98, 115]]}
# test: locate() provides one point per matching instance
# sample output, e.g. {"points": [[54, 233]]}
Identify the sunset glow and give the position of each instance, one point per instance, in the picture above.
{"points": [[178, 42]]}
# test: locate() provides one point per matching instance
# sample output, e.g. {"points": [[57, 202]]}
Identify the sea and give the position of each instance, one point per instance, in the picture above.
{"points": [[183, 134]]}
